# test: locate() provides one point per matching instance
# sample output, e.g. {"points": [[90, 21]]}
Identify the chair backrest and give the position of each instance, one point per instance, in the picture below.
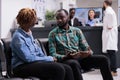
{"points": [[8, 54], [3, 65], [44, 45], [3, 73]]}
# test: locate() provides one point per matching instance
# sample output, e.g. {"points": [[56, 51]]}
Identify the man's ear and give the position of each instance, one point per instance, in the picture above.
{"points": [[68, 17]]}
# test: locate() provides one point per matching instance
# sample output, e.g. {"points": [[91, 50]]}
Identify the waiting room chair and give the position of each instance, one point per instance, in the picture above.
{"points": [[5, 56]]}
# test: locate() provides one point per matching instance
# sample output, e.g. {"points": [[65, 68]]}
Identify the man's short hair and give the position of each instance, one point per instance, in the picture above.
{"points": [[108, 2], [62, 10], [71, 9]]}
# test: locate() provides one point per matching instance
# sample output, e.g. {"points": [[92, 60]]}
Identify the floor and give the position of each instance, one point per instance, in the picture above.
{"points": [[96, 75]]}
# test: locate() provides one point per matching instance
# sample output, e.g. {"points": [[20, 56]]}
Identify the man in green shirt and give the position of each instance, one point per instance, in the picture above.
{"points": [[69, 46]]}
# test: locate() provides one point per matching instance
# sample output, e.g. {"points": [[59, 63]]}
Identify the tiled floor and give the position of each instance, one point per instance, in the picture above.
{"points": [[96, 75]]}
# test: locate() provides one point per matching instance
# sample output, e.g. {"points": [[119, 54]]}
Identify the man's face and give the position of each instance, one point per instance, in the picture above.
{"points": [[72, 13], [62, 19]]}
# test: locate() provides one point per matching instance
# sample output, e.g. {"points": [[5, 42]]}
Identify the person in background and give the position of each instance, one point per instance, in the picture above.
{"points": [[72, 20], [70, 47], [110, 35], [92, 21], [28, 59]]}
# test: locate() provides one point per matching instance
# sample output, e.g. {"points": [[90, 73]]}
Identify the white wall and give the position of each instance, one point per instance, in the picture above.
{"points": [[9, 10], [67, 4], [52, 5], [55, 4], [0, 17], [119, 11]]}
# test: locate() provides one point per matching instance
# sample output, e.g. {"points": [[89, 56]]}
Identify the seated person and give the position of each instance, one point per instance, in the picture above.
{"points": [[92, 21], [28, 58], [70, 47], [72, 20]]}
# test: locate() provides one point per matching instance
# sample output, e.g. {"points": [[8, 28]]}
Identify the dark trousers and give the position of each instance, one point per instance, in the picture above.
{"points": [[45, 70], [98, 61], [76, 68], [111, 54], [93, 61]]}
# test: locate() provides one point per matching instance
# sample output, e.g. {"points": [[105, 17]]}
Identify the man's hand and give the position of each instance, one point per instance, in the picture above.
{"points": [[71, 56], [75, 55], [84, 54]]}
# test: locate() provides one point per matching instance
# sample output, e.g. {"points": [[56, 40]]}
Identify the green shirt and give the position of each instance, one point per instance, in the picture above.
{"points": [[62, 41]]}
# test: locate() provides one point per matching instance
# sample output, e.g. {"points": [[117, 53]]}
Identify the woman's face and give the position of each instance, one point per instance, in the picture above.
{"points": [[91, 14]]}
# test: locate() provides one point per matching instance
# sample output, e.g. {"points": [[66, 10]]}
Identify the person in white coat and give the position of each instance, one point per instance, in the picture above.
{"points": [[110, 35]]}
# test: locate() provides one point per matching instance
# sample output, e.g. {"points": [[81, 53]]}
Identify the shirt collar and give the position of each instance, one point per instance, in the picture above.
{"points": [[73, 18], [24, 33], [108, 8], [63, 30], [91, 20]]}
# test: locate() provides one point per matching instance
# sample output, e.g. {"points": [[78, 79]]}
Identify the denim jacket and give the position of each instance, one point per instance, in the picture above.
{"points": [[25, 50]]}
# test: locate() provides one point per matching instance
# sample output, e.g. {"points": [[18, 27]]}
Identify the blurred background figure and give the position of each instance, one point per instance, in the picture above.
{"points": [[110, 35], [72, 20], [92, 20]]}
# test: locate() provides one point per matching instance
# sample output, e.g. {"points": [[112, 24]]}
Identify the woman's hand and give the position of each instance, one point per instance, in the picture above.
{"points": [[55, 59]]}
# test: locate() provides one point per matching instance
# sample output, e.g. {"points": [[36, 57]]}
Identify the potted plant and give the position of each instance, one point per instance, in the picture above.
{"points": [[50, 19], [49, 15]]}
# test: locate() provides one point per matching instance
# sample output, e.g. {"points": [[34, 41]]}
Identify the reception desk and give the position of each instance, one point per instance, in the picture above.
{"points": [[93, 36]]}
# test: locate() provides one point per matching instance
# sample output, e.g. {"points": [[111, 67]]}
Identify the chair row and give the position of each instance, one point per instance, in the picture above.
{"points": [[6, 55]]}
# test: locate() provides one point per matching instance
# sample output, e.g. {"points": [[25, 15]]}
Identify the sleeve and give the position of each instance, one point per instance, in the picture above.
{"points": [[24, 53], [52, 47], [110, 21], [83, 45], [77, 22]]}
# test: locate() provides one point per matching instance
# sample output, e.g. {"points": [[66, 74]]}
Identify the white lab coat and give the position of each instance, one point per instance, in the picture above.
{"points": [[109, 36]]}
